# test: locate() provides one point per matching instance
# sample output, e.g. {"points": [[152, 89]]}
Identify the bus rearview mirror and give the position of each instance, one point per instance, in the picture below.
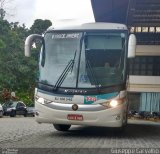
{"points": [[132, 46], [29, 41]]}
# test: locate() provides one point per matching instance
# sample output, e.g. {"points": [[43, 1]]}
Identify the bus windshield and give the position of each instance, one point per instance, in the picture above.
{"points": [[92, 59]]}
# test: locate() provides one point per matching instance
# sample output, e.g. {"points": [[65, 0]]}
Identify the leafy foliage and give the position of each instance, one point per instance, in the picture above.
{"points": [[18, 73], [40, 26]]}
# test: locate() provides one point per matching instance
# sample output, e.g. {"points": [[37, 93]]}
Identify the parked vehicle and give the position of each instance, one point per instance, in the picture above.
{"points": [[132, 113], [31, 111], [1, 111], [15, 108], [145, 114], [156, 115]]}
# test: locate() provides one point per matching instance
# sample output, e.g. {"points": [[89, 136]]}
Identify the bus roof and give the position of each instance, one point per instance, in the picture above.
{"points": [[93, 26]]}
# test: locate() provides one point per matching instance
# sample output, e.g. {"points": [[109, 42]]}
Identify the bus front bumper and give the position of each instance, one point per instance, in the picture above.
{"points": [[112, 117]]}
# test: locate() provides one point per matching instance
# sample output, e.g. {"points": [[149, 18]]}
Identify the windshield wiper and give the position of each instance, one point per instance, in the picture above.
{"points": [[65, 72], [97, 85], [73, 60]]}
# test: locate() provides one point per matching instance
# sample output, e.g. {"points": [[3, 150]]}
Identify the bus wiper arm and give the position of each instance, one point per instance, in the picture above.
{"points": [[73, 60], [63, 75], [65, 72]]}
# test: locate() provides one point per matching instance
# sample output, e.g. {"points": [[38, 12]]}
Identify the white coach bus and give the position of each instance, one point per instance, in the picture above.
{"points": [[83, 75]]}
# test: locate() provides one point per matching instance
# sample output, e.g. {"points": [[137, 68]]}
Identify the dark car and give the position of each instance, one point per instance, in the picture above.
{"points": [[31, 111], [15, 108], [1, 111]]}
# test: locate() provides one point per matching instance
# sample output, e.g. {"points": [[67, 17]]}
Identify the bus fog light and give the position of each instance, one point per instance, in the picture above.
{"points": [[113, 103], [118, 117]]}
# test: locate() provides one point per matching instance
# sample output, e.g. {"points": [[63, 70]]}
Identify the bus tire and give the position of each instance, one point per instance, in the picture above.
{"points": [[61, 127]]}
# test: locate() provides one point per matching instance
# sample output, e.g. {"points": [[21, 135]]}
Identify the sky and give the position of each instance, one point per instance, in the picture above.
{"points": [[60, 12]]}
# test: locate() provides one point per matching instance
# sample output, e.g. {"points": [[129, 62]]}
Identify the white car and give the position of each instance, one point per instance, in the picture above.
{"points": [[1, 111]]}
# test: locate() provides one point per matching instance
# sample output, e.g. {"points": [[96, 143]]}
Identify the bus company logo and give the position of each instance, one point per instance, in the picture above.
{"points": [[89, 98], [75, 91], [74, 107], [64, 36]]}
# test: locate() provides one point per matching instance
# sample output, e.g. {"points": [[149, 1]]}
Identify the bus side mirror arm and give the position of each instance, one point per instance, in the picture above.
{"points": [[132, 46], [28, 43]]}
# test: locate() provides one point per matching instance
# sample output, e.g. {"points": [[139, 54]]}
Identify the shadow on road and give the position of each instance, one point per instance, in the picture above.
{"points": [[132, 130]]}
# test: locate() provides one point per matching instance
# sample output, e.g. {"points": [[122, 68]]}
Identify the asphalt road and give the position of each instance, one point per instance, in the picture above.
{"points": [[23, 132]]}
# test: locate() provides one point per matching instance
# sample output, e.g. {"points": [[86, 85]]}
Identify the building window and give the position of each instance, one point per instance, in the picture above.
{"points": [[146, 35], [144, 101], [145, 65], [150, 102]]}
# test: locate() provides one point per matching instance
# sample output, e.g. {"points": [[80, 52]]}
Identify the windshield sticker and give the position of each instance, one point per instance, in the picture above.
{"points": [[91, 99], [64, 36], [84, 78]]}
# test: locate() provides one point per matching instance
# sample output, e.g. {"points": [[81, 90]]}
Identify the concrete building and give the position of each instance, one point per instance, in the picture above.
{"points": [[143, 19]]}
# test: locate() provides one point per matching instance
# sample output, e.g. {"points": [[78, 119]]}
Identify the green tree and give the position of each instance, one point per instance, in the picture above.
{"points": [[39, 26], [18, 73]]}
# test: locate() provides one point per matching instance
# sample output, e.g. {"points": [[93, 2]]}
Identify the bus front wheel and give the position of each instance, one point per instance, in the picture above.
{"points": [[61, 127]]}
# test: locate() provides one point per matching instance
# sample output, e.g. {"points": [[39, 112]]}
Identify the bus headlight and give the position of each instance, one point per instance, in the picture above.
{"points": [[114, 103]]}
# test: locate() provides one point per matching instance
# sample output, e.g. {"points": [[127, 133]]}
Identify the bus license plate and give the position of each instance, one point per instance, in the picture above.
{"points": [[75, 117]]}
